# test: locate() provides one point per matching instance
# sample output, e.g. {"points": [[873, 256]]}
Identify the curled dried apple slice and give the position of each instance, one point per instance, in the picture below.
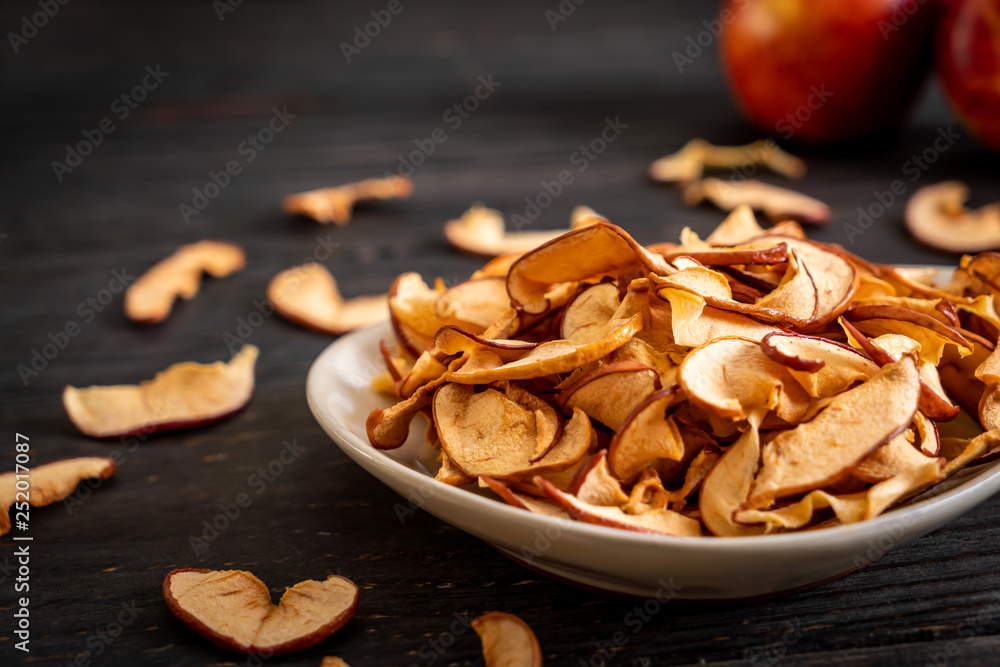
{"points": [[308, 295], [412, 312], [739, 226], [336, 204], [656, 521], [646, 436], [932, 334], [454, 340], [694, 324], [837, 366], [891, 459], [480, 231], [493, 434], [854, 423], [732, 377], [849, 508], [185, 394], [585, 317], [727, 484], [523, 501], [475, 303], [611, 391], [936, 215], [507, 641], [593, 482], [151, 297], [733, 255], [233, 610], [775, 202], [592, 252], [50, 483], [388, 429], [688, 164]]}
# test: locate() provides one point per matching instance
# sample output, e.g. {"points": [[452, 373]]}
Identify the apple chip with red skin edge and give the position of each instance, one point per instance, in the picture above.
{"points": [[524, 501], [336, 204], [233, 610], [50, 483], [646, 436], [412, 313], [688, 164], [732, 255], [151, 297], [891, 459], [480, 231], [776, 203], [837, 366], [389, 428], [611, 391], [936, 215], [475, 303], [584, 318], [593, 482], [932, 335], [184, 395], [455, 340], [695, 324], [727, 485], [656, 521], [592, 252], [821, 451], [504, 437], [507, 641], [308, 295]]}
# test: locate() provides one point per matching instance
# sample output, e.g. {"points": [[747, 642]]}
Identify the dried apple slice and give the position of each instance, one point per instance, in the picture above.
{"points": [[739, 226], [837, 366], [854, 423], [233, 610], [932, 335], [775, 202], [849, 508], [454, 340], [656, 521], [388, 429], [732, 255], [646, 436], [732, 377], [688, 164], [333, 661], [727, 485], [584, 319], [507, 641], [936, 215], [525, 502], [610, 392], [891, 459], [336, 204], [449, 473], [694, 324], [647, 494], [151, 297], [480, 231], [592, 252], [593, 482], [475, 303], [307, 294], [185, 394], [412, 312], [488, 433], [50, 483]]}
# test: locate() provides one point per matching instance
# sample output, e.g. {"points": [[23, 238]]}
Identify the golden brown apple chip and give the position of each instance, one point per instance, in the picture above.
{"points": [[891, 459], [151, 297], [931, 334], [738, 227], [480, 231], [184, 395], [48, 483], [657, 521], [233, 610], [308, 295], [853, 424], [837, 366], [524, 501], [333, 661], [610, 392], [336, 204], [937, 216], [388, 429], [507, 641], [687, 164], [593, 482], [585, 316], [449, 473], [775, 202], [412, 312], [490, 433], [646, 436], [727, 485], [473, 304]]}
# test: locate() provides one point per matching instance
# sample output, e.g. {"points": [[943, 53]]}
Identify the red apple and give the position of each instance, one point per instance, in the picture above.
{"points": [[968, 60], [821, 71]]}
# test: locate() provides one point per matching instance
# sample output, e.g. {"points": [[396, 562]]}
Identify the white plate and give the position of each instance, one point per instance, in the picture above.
{"points": [[607, 558]]}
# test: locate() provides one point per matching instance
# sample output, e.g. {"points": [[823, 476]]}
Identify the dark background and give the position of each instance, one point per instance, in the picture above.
{"points": [[932, 602]]}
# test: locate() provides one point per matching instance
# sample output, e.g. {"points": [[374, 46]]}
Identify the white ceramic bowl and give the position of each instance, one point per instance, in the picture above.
{"points": [[607, 558]]}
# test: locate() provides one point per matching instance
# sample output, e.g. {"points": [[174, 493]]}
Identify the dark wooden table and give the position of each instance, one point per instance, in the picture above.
{"points": [[222, 76]]}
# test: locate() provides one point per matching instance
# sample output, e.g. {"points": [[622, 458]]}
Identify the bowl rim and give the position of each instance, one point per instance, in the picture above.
{"points": [[826, 537]]}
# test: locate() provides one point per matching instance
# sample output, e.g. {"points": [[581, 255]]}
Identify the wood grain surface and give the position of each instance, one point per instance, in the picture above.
{"points": [[934, 602]]}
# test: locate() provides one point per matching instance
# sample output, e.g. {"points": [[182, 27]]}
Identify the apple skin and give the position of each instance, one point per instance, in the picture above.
{"points": [[821, 71], [968, 61]]}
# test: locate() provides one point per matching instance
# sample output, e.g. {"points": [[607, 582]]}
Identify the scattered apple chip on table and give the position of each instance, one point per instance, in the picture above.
{"points": [[49, 483], [480, 231], [936, 215], [336, 204], [308, 295], [507, 641], [775, 202], [233, 610], [687, 165], [185, 394], [151, 297], [751, 383]]}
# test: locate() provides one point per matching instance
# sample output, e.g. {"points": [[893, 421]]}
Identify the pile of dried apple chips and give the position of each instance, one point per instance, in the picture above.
{"points": [[752, 382]]}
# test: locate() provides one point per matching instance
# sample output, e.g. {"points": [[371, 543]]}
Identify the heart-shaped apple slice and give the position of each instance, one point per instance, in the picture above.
{"points": [[233, 610]]}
